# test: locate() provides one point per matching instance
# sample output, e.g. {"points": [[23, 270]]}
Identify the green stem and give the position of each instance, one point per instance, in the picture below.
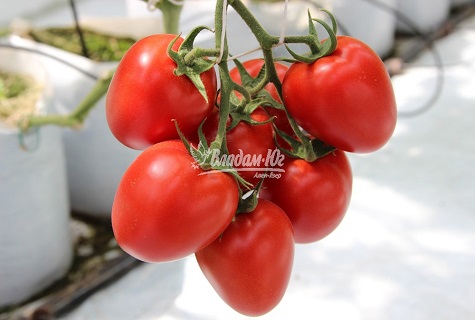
{"points": [[199, 53], [227, 85], [266, 41], [171, 16], [79, 114]]}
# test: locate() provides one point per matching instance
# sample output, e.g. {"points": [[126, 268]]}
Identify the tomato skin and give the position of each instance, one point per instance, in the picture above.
{"points": [[345, 99], [253, 140], [164, 210], [250, 265], [315, 195], [145, 95]]}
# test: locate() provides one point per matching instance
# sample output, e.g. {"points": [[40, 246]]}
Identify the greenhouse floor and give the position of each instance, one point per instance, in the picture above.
{"points": [[406, 248]]}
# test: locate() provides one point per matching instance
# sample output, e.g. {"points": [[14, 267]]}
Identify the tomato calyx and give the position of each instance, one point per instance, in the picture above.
{"points": [[317, 49], [192, 62], [252, 84], [249, 200], [204, 156], [302, 146]]}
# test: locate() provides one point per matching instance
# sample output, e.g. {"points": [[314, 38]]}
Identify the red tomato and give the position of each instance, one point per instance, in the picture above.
{"points": [[250, 264], [345, 99], [145, 95], [253, 67], [252, 143], [165, 209], [315, 195]]}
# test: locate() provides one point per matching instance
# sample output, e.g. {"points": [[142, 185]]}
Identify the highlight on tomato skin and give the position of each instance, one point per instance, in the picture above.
{"points": [[145, 95], [165, 210], [250, 264], [345, 99]]}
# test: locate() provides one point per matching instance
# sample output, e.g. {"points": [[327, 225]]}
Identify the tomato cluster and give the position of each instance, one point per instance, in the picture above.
{"points": [[169, 204]]}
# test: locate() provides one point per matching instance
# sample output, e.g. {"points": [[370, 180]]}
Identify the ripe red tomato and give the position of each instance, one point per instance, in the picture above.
{"points": [[253, 67], [250, 264], [315, 195], [252, 143], [345, 99], [165, 209], [145, 95]]}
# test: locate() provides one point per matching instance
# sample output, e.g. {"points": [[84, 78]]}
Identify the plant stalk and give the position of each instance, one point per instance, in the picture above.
{"points": [[171, 16], [76, 118]]}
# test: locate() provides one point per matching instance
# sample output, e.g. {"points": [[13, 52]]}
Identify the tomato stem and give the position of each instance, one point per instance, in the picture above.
{"points": [[171, 16], [78, 115], [227, 85]]}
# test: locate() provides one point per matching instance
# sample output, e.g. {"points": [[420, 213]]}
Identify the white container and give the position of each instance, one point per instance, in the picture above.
{"points": [[424, 15], [35, 244], [96, 161], [374, 25], [358, 18]]}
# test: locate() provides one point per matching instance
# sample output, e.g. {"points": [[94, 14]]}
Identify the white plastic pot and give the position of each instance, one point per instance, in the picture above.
{"points": [[358, 18], [373, 24], [424, 15], [96, 161], [35, 244]]}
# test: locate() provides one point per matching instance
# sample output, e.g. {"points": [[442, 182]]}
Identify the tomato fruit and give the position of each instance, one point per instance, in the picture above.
{"points": [[165, 209], [250, 264], [315, 195], [345, 99], [251, 142], [145, 95]]}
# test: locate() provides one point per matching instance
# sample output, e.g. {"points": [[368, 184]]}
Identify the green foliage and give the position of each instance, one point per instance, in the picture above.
{"points": [[100, 47]]}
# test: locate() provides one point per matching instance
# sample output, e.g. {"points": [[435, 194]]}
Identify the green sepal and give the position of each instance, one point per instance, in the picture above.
{"points": [[295, 145], [269, 101], [188, 42], [202, 154], [320, 148], [248, 202], [307, 149], [194, 68], [318, 50], [249, 82]]}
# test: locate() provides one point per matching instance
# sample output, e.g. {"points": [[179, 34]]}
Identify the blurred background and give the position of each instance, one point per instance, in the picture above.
{"points": [[405, 249]]}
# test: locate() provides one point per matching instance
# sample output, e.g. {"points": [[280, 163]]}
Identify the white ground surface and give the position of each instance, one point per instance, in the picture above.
{"points": [[405, 250]]}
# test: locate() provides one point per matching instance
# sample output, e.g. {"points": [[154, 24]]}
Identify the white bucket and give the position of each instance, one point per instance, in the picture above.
{"points": [[424, 15], [96, 161], [35, 244]]}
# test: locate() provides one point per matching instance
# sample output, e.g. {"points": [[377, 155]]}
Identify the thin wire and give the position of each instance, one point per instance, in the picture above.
{"points": [[244, 54], [281, 38], [77, 25], [65, 62], [429, 43], [223, 31], [284, 25]]}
